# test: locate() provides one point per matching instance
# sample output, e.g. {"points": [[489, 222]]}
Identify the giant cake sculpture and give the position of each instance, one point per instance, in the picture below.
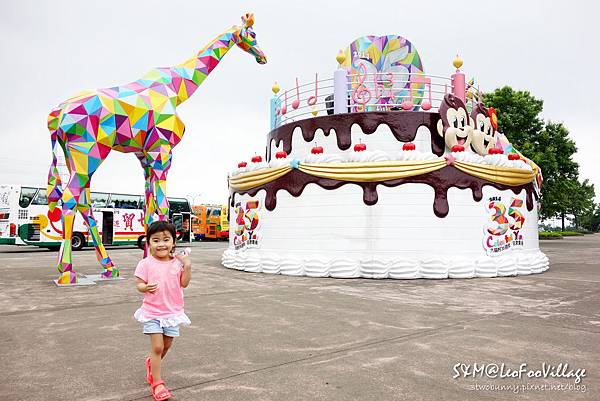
{"points": [[384, 171]]}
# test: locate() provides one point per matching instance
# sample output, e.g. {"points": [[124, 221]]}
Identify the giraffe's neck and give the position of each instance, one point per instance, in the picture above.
{"points": [[189, 75]]}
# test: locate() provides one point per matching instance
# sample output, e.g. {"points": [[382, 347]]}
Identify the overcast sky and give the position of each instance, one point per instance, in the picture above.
{"points": [[50, 50]]}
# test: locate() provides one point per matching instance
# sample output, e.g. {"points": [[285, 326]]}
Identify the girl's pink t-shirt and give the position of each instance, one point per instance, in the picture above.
{"points": [[167, 301]]}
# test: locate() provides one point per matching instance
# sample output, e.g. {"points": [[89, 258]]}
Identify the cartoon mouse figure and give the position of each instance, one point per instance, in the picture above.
{"points": [[484, 137], [454, 125]]}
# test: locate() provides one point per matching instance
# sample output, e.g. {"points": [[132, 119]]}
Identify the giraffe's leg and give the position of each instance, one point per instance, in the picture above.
{"points": [[110, 271], [149, 204], [163, 160], [160, 187], [70, 199], [82, 163]]}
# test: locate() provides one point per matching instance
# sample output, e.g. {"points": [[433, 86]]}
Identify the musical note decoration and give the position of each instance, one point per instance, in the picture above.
{"points": [[296, 102], [419, 79], [361, 94], [313, 99], [409, 103], [284, 108]]}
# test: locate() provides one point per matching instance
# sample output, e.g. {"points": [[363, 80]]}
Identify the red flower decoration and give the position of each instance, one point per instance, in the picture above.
{"points": [[493, 118]]}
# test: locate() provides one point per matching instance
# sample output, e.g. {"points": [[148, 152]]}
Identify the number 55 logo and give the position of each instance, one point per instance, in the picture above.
{"points": [[247, 220]]}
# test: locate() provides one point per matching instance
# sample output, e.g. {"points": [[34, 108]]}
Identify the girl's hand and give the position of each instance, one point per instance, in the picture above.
{"points": [[184, 259], [151, 287]]}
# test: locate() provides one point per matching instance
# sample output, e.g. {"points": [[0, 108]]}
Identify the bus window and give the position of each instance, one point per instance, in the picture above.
{"points": [[40, 198], [27, 195], [125, 201], [216, 212], [98, 199], [179, 205]]}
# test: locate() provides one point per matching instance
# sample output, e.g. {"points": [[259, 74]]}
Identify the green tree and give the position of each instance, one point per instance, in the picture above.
{"points": [[518, 116], [552, 150], [591, 221], [548, 145], [581, 202]]}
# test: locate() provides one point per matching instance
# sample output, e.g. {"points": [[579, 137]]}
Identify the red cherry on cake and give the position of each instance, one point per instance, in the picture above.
{"points": [[280, 155], [513, 156], [359, 147], [458, 148], [409, 146], [495, 151], [316, 150], [256, 159], [242, 164]]}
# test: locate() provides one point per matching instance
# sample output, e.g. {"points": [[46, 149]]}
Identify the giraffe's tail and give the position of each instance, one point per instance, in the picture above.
{"points": [[54, 190]]}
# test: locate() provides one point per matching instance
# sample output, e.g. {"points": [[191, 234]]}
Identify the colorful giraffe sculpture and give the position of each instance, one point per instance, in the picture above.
{"points": [[139, 117]]}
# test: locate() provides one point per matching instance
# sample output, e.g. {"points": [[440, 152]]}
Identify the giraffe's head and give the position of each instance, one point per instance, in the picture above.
{"points": [[245, 38]]}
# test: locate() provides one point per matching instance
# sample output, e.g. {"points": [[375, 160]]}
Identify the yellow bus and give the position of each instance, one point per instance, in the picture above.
{"points": [[210, 222]]}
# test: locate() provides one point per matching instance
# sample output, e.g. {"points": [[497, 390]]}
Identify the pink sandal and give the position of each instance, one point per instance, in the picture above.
{"points": [[163, 394], [148, 371]]}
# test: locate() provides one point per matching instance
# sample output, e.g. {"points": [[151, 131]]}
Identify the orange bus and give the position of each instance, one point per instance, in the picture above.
{"points": [[210, 222]]}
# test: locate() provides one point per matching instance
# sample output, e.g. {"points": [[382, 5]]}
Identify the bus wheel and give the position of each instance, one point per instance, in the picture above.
{"points": [[140, 242], [77, 241]]}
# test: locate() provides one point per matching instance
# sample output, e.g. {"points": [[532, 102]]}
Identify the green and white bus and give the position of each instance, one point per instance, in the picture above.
{"points": [[26, 220]]}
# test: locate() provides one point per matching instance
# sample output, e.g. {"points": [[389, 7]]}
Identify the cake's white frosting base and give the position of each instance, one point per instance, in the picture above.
{"points": [[256, 261], [332, 233]]}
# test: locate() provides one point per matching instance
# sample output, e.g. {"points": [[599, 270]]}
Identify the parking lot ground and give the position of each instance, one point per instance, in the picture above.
{"points": [[271, 337]]}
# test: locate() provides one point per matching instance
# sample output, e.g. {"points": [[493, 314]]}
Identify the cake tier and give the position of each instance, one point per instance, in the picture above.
{"points": [[331, 233], [384, 211], [381, 131]]}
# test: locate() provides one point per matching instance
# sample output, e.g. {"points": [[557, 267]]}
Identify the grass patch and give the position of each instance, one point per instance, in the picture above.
{"points": [[550, 235]]}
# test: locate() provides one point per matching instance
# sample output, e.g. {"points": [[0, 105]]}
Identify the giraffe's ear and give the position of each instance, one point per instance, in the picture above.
{"points": [[248, 20]]}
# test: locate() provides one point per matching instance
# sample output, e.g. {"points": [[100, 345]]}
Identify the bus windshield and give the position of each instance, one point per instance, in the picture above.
{"points": [[27, 194], [119, 201], [40, 198], [178, 205], [99, 199]]}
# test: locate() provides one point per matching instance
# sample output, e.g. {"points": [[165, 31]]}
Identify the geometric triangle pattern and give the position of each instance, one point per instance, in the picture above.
{"points": [[379, 56], [139, 117]]}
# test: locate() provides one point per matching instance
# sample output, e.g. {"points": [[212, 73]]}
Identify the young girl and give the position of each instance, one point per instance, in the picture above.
{"points": [[161, 277]]}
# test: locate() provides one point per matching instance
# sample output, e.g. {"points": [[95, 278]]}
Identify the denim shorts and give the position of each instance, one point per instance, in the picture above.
{"points": [[153, 327]]}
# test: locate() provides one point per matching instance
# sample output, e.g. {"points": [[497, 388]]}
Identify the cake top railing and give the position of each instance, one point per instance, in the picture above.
{"points": [[365, 88]]}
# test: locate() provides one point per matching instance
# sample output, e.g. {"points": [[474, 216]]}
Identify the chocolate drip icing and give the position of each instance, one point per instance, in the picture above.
{"points": [[440, 180], [403, 125]]}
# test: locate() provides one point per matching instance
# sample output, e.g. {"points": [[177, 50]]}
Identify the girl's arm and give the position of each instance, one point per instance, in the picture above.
{"points": [[142, 286], [186, 275]]}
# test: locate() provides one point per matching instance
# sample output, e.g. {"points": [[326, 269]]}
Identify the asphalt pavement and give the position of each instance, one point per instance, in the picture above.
{"points": [[271, 337]]}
